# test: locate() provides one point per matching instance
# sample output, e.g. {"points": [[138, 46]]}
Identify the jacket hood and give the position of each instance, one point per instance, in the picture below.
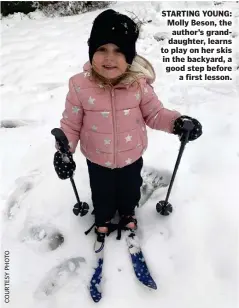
{"points": [[141, 68]]}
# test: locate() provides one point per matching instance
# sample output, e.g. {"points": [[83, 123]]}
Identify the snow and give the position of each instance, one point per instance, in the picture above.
{"points": [[192, 254]]}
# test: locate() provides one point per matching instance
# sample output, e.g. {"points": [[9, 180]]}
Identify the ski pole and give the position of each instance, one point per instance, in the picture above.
{"points": [[164, 207], [81, 208]]}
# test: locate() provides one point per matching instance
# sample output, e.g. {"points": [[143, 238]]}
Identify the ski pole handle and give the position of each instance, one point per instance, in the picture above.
{"points": [[187, 128], [61, 140]]}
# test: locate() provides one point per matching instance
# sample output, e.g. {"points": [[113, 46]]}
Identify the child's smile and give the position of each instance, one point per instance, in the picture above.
{"points": [[109, 68]]}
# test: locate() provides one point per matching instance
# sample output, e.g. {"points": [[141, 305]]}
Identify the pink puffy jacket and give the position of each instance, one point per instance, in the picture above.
{"points": [[110, 122]]}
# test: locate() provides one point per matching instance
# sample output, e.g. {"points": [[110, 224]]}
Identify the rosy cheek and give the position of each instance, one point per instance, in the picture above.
{"points": [[122, 64], [98, 58]]}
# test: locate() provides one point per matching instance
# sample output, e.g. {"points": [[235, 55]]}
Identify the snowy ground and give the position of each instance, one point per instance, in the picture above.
{"points": [[192, 254]]}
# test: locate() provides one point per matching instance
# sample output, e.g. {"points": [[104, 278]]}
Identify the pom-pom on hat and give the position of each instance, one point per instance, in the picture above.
{"points": [[115, 28]]}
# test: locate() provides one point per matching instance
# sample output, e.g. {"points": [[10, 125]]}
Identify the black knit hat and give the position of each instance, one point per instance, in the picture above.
{"points": [[115, 28]]}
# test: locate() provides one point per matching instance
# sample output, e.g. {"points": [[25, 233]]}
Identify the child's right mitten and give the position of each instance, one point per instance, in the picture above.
{"points": [[64, 165]]}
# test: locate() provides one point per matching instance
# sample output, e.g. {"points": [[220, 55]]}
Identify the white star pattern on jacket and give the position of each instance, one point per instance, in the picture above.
{"points": [[128, 161], [87, 74], [91, 100], [145, 90], [77, 88], [107, 141], [75, 109], [100, 85], [94, 128], [108, 163], [128, 138], [137, 95], [105, 114], [126, 112]]}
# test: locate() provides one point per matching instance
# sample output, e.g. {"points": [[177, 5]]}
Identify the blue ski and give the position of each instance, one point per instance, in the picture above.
{"points": [[95, 290], [139, 264]]}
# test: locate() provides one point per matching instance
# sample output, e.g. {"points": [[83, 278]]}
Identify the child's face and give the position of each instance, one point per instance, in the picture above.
{"points": [[109, 62]]}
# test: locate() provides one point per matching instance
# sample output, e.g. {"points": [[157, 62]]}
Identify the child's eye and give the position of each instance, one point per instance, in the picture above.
{"points": [[118, 50]]}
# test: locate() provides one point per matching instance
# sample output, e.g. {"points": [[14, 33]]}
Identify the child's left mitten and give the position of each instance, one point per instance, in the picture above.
{"points": [[195, 133]]}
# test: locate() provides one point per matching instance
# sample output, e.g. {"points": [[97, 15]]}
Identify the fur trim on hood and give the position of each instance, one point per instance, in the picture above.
{"points": [[144, 68]]}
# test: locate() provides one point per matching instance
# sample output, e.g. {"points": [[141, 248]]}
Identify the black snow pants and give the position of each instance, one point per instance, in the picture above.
{"points": [[114, 190]]}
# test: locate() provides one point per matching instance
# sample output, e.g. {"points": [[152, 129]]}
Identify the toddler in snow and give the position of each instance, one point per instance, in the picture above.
{"points": [[107, 109]]}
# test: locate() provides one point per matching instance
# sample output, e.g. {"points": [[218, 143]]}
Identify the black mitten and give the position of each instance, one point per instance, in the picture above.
{"points": [[64, 165], [195, 133]]}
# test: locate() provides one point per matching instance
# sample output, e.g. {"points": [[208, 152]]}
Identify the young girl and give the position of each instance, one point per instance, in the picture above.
{"points": [[107, 108]]}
